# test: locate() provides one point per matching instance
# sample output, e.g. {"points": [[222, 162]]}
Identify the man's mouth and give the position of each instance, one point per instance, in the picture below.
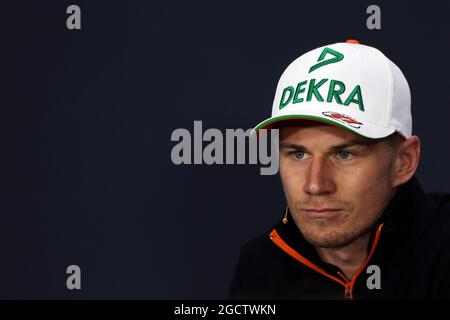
{"points": [[321, 212]]}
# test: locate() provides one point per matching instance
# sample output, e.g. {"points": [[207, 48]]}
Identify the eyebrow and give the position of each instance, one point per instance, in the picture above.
{"points": [[287, 145]]}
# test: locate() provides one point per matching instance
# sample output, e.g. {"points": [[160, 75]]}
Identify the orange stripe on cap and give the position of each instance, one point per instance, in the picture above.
{"points": [[352, 41]]}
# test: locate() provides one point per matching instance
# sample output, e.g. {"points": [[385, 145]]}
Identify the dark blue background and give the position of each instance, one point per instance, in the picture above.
{"points": [[86, 174]]}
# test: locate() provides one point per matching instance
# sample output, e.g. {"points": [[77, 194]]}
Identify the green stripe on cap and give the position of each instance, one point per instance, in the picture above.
{"points": [[307, 117]]}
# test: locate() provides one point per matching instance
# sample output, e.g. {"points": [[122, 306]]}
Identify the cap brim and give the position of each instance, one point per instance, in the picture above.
{"points": [[363, 129]]}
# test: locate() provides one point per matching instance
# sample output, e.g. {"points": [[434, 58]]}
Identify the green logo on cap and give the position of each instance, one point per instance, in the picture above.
{"points": [[310, 88], [337, 56], [336, 93]]}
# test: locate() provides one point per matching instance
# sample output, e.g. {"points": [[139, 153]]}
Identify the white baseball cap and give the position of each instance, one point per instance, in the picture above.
{"points": [[345, 84]]}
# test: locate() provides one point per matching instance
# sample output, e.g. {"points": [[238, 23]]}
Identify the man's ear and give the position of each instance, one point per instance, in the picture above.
{"points": [[407, 160]]}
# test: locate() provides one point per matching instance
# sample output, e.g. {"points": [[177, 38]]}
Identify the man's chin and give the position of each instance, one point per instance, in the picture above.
{"points": [[329, 239], [328, 243]]}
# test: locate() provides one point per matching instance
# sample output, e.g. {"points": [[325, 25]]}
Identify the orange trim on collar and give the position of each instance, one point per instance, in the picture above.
{"points": [[348, 284]]}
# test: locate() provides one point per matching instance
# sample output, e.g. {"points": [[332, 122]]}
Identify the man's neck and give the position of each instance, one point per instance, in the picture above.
{"points": [[349, 258]]}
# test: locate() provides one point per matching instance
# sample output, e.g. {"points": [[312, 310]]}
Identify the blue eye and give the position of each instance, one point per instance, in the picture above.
{"points": [[345, 155], [299, 154]]}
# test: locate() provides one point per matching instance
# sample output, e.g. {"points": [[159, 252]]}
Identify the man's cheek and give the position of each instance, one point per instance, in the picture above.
{"points": [[292, 186]]}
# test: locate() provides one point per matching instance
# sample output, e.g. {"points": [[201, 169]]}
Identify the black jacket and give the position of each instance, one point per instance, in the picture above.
{"points": [[410, 244]]}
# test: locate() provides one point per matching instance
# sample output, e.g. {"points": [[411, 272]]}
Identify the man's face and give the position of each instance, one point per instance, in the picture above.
{"points": [[336, 184]]}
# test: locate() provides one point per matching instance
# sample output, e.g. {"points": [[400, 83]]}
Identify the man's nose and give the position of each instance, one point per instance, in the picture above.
{"points": [[319, 180]]}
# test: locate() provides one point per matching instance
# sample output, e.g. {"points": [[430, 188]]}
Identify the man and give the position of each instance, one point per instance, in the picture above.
{"points": [[357, 224]]}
